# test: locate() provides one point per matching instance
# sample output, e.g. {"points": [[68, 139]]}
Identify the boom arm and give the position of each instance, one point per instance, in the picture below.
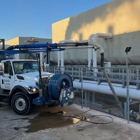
{"points": [[33, 48]]}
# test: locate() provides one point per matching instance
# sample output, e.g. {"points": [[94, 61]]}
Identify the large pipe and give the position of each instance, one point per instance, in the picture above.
{"points": [[41, 59], [61, 54], [95, 60], [92, 41], [101, 35], [105, 89], [59, 59], [62, 59], [96, 45], [90, 45]]}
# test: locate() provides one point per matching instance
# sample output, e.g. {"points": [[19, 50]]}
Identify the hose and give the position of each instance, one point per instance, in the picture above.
{"points": [[80, 116]]}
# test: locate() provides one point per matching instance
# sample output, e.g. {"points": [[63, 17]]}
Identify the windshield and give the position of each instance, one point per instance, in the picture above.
{"points": [[21, 67]]}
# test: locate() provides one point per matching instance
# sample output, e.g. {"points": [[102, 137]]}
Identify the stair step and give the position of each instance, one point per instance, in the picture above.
{"points": [[4, 103]]}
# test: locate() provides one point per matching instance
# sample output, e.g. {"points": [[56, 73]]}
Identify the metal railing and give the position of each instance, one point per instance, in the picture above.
{"points": [[115, 74]]}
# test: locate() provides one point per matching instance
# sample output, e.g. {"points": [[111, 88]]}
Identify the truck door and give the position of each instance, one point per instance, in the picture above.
{"points": [[7, 77]]}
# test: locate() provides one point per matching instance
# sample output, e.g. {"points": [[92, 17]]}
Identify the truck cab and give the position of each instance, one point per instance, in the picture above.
{"points": [[20, 86]]}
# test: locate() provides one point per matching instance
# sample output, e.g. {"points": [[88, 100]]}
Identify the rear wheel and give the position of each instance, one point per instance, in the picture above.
{"points": [[22, 103]]}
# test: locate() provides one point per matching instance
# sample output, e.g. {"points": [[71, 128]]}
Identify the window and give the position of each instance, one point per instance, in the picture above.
{"points": [[20, 67], [8, 68]]}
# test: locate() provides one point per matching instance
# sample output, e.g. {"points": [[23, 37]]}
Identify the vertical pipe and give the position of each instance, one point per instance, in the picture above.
{"points": [[102, 60], [89, 55], [82, 85], [72, 74], [90, 42], [62, 59], [59, 55], [127, 89], [125, 110], [88, 97], [85, 98], [47, 61], [95, 60], [139, 108], [93, 97], [41, 59], [62, 62]]}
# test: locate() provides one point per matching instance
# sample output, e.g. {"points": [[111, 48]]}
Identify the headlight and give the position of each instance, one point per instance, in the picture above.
{"points": [[31, 89], [34, 89]]}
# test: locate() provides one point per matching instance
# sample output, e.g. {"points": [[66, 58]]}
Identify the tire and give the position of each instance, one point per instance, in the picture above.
{"points": [[22, 103]]}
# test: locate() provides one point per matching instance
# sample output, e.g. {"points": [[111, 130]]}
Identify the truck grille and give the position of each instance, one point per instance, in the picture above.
{"points": [[45, 81]]}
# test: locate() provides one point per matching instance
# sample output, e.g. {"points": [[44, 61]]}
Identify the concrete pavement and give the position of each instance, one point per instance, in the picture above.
{"points": [[46, 124]]}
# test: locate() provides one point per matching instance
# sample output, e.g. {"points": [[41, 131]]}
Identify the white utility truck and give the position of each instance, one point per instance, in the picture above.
{"points": [[23, 84]]}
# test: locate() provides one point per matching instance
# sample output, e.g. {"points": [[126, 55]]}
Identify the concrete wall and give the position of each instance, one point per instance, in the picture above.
{"points": [[119, 17]]}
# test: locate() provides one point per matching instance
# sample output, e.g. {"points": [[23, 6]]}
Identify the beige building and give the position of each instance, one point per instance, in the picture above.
{"points": [[119, 17], [28, 40]]}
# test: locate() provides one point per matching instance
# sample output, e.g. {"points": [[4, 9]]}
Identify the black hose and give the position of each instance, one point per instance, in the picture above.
{"points": [[102, 60], [11, 48], [78, 116], [82, 118], [72, 44]]}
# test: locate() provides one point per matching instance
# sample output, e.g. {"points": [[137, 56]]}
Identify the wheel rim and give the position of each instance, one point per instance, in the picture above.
{"points": [[20, 104]]}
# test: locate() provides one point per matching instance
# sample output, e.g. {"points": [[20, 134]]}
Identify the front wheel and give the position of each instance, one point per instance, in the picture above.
{"points": [[22, 103]]}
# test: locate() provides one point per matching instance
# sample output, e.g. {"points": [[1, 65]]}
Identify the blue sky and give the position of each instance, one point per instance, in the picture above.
{"points": [[35, 17]]}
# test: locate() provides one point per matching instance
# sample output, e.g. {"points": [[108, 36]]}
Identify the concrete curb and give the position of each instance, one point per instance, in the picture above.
{"points": [[117, 120]]}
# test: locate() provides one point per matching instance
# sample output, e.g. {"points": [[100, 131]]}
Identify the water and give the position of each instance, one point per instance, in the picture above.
{"points": [[46, 120]]}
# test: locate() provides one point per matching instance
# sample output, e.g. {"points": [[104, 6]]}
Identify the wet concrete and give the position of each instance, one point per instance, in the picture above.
{"points": [[48, 124], [46, 120]]}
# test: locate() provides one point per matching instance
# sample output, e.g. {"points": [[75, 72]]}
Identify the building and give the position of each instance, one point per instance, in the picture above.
{"points": [[119, 17], [28, 40]]}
